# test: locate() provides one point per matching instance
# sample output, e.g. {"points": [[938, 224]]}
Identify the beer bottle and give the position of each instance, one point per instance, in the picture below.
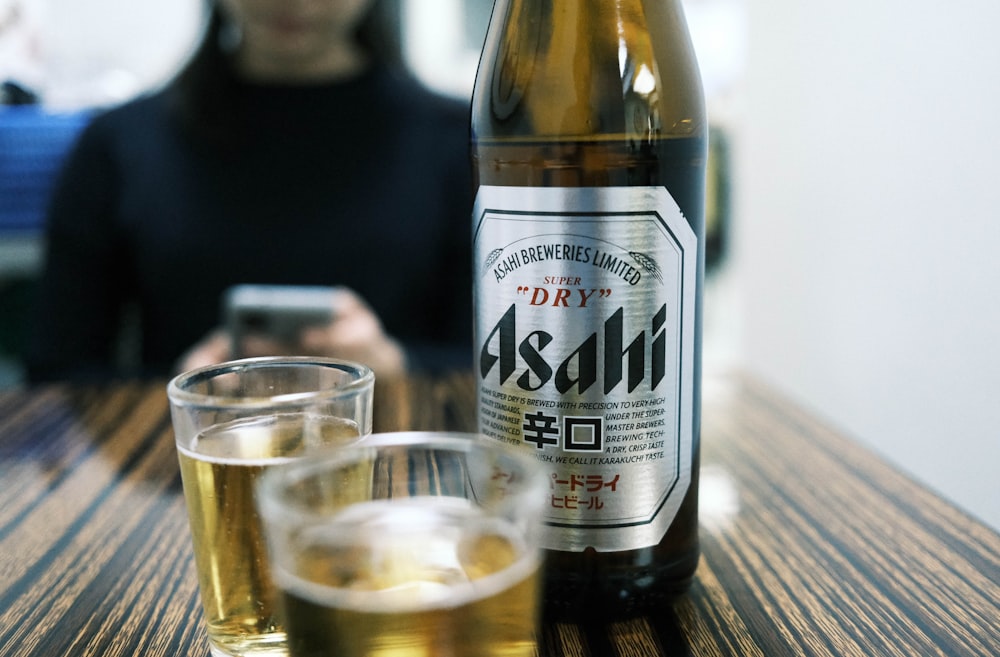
{"points": [[589, 145]]}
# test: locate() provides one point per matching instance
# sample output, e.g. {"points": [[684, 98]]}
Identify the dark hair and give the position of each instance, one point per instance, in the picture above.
{"points": [[379, 33], [203, 94]]}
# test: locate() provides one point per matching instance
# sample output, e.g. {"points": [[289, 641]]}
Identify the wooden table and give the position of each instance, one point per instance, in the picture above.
{"points": [[812, 545]]}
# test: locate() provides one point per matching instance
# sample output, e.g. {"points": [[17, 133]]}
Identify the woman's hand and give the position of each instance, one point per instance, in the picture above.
{"points": [[355, 333]]}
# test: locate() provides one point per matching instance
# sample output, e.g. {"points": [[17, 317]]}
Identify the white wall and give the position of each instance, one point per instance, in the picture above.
{"points": [[99, 52], [868, 227]]}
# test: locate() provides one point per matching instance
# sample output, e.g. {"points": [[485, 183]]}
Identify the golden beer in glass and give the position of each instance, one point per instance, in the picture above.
{"points": [[407, 545], [232, 423]]}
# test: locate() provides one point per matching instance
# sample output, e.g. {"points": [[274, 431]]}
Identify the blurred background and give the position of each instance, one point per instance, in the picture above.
{"points": [[855, 200]]}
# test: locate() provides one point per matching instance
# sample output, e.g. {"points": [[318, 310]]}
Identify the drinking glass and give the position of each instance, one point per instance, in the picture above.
{"points": [[418, 543], [232, 422]]}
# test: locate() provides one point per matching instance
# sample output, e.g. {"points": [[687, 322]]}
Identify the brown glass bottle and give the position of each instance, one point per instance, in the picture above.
{"points": [[593, 95]]}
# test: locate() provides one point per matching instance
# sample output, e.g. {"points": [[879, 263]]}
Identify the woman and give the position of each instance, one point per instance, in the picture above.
{"points": [[290, 150]]}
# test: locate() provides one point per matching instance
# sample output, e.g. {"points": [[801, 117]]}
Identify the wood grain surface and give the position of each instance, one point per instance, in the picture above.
{"points": [[811, 544]]}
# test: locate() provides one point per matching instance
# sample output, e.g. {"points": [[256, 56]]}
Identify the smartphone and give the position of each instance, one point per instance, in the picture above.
{"points": [[279, 312]]}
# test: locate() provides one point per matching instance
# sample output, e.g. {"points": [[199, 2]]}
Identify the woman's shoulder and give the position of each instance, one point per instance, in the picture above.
{"points": [[115, 137], [139, 112], [115, 131], [421, 100]]}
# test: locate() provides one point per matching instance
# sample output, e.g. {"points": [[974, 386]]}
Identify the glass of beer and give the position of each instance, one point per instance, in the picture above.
{"points": [[232, 422], [407, 544]]}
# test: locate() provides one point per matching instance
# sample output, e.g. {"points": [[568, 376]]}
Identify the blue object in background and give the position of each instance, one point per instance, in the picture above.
{"points": [[33, 144]]}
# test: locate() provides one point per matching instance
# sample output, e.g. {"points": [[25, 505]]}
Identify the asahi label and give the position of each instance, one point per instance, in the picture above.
{"points": [[585, 338]]}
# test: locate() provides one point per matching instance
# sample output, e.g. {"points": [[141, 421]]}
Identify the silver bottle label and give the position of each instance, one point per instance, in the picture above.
{"points": [[585, 339]]}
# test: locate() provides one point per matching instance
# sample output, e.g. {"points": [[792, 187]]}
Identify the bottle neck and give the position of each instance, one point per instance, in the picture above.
{"points": [[579, 69]]}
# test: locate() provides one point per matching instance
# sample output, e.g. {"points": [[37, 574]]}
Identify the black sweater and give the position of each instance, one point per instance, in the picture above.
{"points": [[364, 184]]}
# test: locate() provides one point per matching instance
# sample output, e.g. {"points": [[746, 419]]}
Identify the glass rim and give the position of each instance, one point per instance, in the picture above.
{"points": [[274, 483], [180, 395]]}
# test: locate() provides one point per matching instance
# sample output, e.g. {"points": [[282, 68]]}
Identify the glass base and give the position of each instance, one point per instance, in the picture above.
{"points": [[267, 645]]}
